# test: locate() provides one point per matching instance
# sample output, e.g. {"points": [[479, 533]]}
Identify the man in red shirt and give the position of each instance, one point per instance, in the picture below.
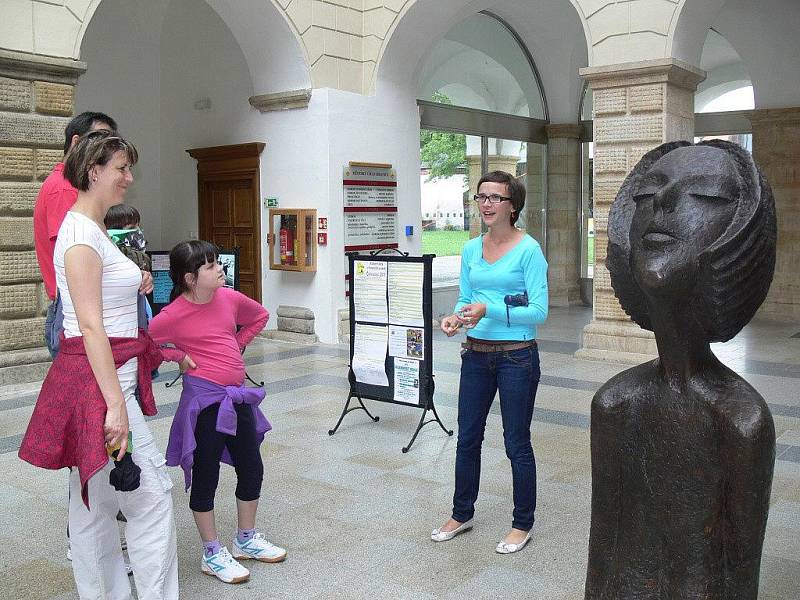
{"points": [[55, 198]]}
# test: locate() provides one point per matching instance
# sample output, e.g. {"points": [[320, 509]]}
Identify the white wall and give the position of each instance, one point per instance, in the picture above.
{"points": [[201, 62], [303, 165], [122, 53]]}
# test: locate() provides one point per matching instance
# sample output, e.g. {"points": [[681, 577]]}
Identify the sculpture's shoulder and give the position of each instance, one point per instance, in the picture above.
{"points": [[625, 388], [738, 404]]}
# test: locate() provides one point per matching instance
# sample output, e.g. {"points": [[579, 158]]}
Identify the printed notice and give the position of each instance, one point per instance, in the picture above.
{"points": [[369, 228], [160, 262], [162, 287], [369, 291], [406, 380], [405, 293], [407, 342], [369, 354]]}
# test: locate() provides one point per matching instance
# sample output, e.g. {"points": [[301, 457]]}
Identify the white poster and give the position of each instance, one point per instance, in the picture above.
{"points": [[369, 229], [407, 342], [406, 380], [405, 293], [369, 195], [160, 262], [369, 291], [369, 354]]}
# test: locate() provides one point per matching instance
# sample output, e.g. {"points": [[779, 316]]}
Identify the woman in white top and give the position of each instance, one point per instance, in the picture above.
{"points": [[99, 288]]}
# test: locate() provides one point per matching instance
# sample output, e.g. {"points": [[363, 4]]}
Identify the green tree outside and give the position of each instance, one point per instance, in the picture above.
{"points": [[443, 153]]}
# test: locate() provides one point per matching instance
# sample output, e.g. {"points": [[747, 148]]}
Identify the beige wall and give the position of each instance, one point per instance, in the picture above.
{"points": [[776, 149], [36, 99]]}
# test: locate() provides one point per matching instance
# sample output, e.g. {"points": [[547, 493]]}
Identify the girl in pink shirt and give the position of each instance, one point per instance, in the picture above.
{"points": [[218, 418]]}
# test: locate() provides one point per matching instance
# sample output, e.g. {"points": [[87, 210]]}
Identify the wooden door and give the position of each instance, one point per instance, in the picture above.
{"points": [[229, 206]]}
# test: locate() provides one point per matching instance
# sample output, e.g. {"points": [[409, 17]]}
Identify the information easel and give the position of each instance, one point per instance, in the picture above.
{"points": [[391, 334]]}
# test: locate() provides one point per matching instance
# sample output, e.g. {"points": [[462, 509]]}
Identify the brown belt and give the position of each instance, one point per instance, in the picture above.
{"points": [[485, 346]]}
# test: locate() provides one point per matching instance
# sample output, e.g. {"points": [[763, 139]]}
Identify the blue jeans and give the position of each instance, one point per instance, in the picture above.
{"points": [[516, 375]]}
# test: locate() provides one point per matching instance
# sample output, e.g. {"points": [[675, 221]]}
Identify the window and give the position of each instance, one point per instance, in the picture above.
{"points": [[482, 109]]}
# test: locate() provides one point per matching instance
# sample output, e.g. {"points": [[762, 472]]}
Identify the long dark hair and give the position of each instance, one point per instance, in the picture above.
{"points": [[188, 257]]}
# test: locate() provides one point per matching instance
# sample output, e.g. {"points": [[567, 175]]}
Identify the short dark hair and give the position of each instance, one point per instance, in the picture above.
{"points": [[734, 272], [120, 215], [94, 148], [82, 124], [516, 190], [187, 257]]}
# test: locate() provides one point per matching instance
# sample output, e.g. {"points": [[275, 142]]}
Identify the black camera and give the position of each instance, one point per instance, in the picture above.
{"points": [[517, 299], [514, 300]]}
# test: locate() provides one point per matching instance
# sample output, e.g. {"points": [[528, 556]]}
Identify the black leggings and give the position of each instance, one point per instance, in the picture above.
{"points": [[243, 448]]}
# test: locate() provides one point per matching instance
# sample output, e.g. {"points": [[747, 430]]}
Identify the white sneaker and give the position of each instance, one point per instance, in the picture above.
{"points": [[224, 567], [258, 548]]}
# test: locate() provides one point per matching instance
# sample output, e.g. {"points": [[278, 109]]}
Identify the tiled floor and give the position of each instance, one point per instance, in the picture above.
{"points": [[355, 513]]}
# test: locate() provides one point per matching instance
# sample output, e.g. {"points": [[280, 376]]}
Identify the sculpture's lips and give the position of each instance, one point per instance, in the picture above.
{"points": [[658, 235]]}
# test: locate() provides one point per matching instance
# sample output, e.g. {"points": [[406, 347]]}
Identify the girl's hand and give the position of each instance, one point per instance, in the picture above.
{"points": [[470, 314], [450, 325], [115, 427], [186, 364]]}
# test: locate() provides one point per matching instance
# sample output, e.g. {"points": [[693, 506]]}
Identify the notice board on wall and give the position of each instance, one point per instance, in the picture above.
{"points": [[370, 206]]}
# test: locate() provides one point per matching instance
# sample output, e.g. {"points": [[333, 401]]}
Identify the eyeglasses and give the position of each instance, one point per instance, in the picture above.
{"points": [[492, 198]]}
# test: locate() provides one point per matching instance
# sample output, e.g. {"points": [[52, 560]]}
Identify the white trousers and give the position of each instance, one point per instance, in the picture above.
{"points": [[97, 561]]}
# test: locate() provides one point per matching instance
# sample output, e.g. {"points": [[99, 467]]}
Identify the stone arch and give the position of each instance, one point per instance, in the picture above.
{"points": [[422, 23], [689, 27], [285, 52]]}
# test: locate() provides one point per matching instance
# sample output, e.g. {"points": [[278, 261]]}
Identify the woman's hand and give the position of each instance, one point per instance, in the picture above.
{"points": [[115, 427], [450, 325], [186, 364], [470, 314], [147, 283]]}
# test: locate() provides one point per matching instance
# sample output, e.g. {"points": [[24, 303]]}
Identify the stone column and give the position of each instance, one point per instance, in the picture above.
{"points": [[535, 197], [36, 99], [776, 149], [637, 106], [563, 210]]}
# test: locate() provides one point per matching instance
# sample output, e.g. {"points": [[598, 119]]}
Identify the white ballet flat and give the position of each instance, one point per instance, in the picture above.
{"points": [[506, 548], [437, 535]]}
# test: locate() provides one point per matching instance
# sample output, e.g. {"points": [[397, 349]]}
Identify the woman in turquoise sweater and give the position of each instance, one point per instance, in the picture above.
{"points": [[503, 297]]}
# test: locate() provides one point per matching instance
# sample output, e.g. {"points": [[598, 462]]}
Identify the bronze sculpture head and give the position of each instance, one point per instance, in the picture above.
{"points": [[697, 220]]}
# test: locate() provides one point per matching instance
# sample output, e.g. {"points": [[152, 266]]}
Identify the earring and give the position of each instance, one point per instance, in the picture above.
{"points": [[94, 178]]}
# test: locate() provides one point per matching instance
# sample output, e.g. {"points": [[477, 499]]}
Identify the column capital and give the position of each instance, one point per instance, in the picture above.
{"points": [[662, 70], [36, 67], [564, 130], [281, 100], [773, 115]]}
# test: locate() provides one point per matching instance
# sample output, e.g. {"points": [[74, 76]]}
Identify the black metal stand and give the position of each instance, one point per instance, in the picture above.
{"points": [[423, 422], [347, 409], [246, 374]]}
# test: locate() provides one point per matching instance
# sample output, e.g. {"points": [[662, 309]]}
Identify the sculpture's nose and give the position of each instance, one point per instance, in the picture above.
{"points": [[664, 199]]}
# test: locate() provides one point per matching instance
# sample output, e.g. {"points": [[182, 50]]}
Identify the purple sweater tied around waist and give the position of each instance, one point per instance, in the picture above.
{"points": [[197, 395]]}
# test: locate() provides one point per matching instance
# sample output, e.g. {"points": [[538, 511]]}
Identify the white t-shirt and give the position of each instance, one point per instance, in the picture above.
{"points": [[121, 277], [120, 284]]}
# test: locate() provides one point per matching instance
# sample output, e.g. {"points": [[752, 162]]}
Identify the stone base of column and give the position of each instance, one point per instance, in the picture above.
{"points": [[24, 366], [620, 342], [787, 311]]}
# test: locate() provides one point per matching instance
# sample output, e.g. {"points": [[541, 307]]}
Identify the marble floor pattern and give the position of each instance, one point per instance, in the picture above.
{"points": [[355, 513]]}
